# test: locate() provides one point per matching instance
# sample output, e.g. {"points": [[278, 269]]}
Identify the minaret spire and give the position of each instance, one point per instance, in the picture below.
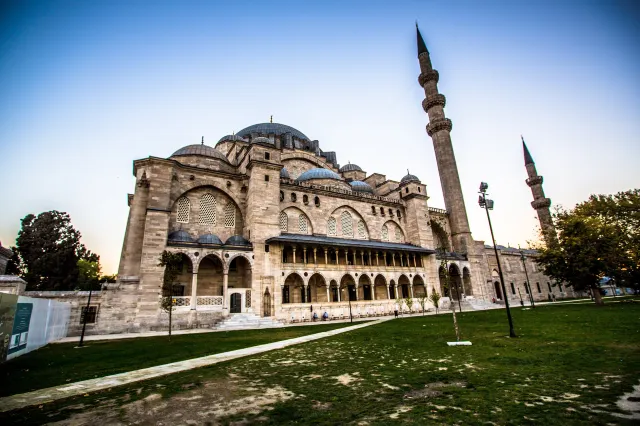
{"points": [[540, 203], [439, 129]]}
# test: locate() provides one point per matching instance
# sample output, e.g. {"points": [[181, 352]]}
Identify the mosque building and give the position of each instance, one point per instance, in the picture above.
{"points": [[273, 228]]}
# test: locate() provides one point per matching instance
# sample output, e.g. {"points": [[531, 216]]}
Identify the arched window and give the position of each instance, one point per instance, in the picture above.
{"points": [[399, 214], [208, 209], [305, 199], [385, 233], [284, 222], [331, 227], [184, 207], [302, 224], [347, 224], [398, 235], [230, 216], [373, 209], [362, 232]]}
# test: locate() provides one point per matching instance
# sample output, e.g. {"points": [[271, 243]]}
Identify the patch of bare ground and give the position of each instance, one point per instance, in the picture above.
{"points": [[206, 404], [431, 390]]}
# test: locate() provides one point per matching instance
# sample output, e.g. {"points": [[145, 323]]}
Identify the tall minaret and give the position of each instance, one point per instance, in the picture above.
{"points": [[439, 129], [540, 203]]}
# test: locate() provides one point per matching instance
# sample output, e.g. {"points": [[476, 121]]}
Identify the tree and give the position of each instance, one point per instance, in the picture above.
{"points": [[599, 237], [88, 274], [435, 299], [422, 300], [48, 249], [444, 264], [400, 302], [112, 278], [173, 264], [14, 265], [409, 302]]}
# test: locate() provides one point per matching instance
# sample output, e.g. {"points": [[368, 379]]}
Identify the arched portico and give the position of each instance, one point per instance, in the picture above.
{"points": [[365, 291], [381, 288], [318, 288], [444, 286], [404, 286], [419, 288], [348, 288], [455, 280], [293, 288]]}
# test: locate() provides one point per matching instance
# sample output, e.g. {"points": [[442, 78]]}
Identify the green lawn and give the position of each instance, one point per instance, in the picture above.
{"points": [[61, 363], [568, 366]]}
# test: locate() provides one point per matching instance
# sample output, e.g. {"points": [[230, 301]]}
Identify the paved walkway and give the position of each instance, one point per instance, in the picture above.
{"points": [[79, 388]]}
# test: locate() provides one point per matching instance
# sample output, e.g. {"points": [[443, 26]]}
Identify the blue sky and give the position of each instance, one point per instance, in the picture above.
{"points": [[87, 87]]}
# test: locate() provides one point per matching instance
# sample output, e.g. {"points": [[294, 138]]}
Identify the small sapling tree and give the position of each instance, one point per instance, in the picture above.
{"points": [[422, 300], [435, 299], [173, 264], [400, 302], [409, 302]]}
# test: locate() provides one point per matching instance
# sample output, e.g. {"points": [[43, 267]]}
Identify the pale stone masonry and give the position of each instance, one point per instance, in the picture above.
{"points": [[268, 223]]}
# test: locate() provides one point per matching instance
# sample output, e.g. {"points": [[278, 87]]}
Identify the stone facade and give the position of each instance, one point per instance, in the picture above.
{"points": [[269, 223]]}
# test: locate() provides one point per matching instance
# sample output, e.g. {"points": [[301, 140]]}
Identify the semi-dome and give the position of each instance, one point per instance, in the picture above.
{"points": [[350, 168], [318, 173], [237, 240], [180, 237], [409, 178], [200, 149], [232, 138], [261, 139], [209, 239], [272, 129], [360, 186], [284, 174]]}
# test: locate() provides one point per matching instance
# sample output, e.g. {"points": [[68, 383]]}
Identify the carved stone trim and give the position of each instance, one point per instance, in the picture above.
{"points": [[428, 76], [541, 203], [432, 101], [438, 125], [536, 180]]}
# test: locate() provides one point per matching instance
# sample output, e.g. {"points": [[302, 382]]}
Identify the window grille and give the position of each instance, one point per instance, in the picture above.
{"points": [[398, 235], [302, 224], [284, 222], [208, 209], [385, 233], [331, 227], [230, 216], [347, 224], [90, 314], [362, 233], [184, 206]]}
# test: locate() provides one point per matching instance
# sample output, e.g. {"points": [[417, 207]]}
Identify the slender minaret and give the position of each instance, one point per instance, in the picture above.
{"points": [[439, 129], [540, 203]]}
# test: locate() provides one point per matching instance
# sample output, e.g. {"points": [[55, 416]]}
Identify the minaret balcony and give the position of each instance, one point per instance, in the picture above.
{"points": [[535, 180], [541, 203]]}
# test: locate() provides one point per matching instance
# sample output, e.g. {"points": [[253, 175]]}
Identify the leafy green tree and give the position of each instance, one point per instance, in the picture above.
{"points": [[173, 264], [88, 274], [112, 278], [422, 300], [599, 237], [435, 299], [409, 302], [48, 249], [14, 266]]}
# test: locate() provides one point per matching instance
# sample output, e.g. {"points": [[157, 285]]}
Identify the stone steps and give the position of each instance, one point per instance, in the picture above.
{"points": [[246, 322]]}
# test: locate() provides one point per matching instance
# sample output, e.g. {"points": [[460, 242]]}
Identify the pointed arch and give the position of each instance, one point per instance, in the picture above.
{"points": [[295, 221], [349, 223]]}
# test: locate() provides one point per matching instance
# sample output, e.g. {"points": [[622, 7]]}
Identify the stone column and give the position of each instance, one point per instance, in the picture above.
{"points": [[315, 255], [304, 293], [393, 259], [411, 290], [370, 262], [388, 293], [415, 265], [328, 293], [194, 290], [373, 291], [398, 290], [225, 291], [356, 287], [294, 255], [377, 260], [304, 255], [326, 256], [337, 256], [362, 257], [339, 292], [354, 258]]}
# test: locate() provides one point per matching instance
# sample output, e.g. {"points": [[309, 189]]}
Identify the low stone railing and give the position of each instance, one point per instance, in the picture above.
{"points": [[301, 312], [204, 303]]}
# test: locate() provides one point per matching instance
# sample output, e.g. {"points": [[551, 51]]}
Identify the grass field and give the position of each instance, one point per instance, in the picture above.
{"points": [[64, 363], [569, 365]]}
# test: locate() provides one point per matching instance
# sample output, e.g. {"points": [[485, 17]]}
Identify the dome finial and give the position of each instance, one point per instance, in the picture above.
{"points": [[202, 142], [271, 119], [408, 172]]}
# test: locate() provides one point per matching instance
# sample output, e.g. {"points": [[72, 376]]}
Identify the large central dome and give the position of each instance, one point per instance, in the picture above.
{"points": [[272, 129]]}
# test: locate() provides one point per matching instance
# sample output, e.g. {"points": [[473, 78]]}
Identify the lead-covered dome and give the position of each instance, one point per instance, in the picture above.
{"points": [[272, 129], [261, 139], [232, 138], [180, 237], [318, 173], [360, 186], [209, 239], [284, 174], [409, 178], [237, 240], [350, 168], [201, 150]]}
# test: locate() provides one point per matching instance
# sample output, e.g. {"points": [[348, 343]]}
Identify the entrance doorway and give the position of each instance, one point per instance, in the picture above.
{"points": [[236, 303], [266, 303], [498, 291]]}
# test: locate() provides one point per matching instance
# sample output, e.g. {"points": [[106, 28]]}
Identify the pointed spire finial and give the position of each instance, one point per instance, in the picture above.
{"points": [[271, 119], [202, 142], [408, 172], [528, 159], [422, 47]]}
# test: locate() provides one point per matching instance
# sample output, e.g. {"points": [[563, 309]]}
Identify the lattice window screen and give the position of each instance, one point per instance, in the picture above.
{"points": [[284, 222], [208, 209], [398, 235], [302, 224], [230, 216], [362, 233], [347, 224], [385, 233], [184, 206], [331, 227]]}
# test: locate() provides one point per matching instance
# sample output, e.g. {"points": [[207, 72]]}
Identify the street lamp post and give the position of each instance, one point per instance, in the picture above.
{"points": [[487, 204], [533, 305]]}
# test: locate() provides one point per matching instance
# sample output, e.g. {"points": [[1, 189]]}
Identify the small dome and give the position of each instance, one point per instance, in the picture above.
{"points": [[350, 168], [209, 239], [261, 139], [318, 174], [409, 178], [284, 174], [360, 186], [200, 149], [237, 240], [272, 129], [232, 138], [180, 237]]}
